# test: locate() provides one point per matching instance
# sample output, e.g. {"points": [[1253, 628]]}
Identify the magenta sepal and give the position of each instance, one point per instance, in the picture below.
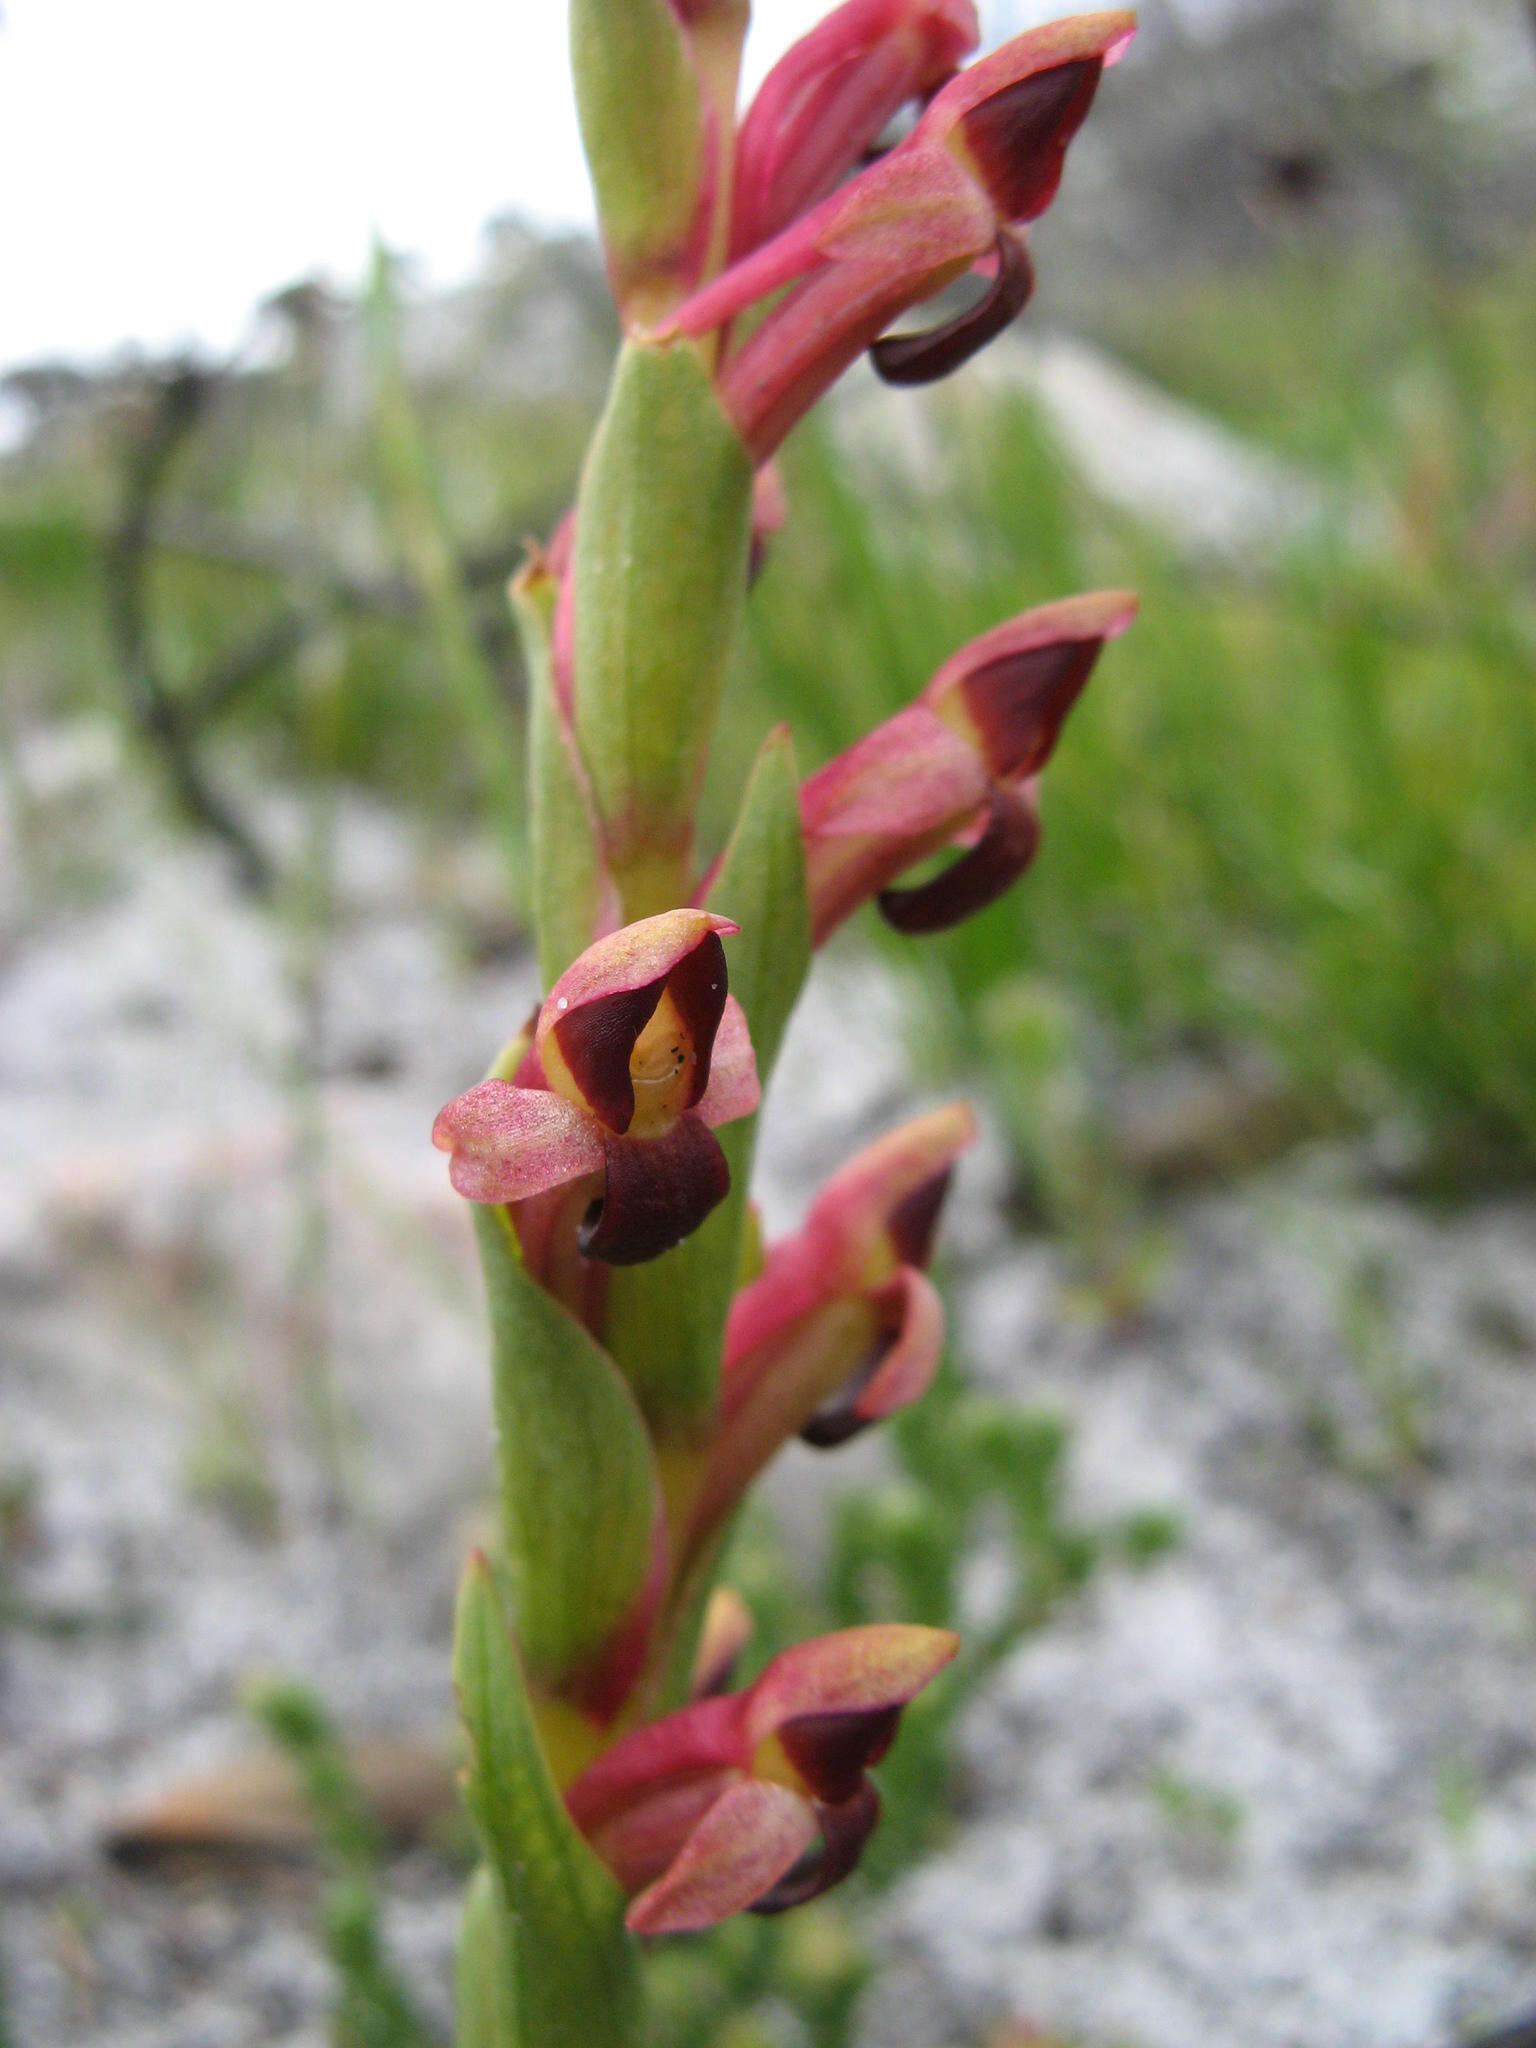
{"points": [[829, 96]]}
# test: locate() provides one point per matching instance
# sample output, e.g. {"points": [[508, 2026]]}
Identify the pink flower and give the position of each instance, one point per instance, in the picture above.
{"points": [[957, 766], [985, 158], [758, 1799], [638, 1052], [842, 1326]]}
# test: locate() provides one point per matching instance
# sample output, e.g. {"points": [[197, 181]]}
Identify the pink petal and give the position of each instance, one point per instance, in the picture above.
{"points": [[905, 216], [901, 1366], [597, 1009], [751, 1837], [858, 1204], [812, 1352], [855, 1671], [638, 1842], [799, 1274], [734, 1089], [1013, 687], [770, 1392], [891, 237], [1094, 615], [698, 1741], [871, 269], [672, 1807], [906, 1371], [988, 152], [1105, 35], [891, 1189], [830, 95], [912, 775], [895, 796], [507, 1143], [1011, 116]]}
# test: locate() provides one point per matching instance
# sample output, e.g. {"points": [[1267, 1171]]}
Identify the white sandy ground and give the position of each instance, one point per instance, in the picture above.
{"points": [[1344, 1663], [1279, 1790]]}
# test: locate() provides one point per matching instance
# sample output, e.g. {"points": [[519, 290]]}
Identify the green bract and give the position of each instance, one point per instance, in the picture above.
{"points": [[545, 1940], [577, 1476], [662, 531], [642, 125], [485, 1980]]}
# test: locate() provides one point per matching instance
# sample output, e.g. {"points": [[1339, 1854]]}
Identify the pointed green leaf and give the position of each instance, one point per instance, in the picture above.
{"points": [[578, 1479], [568, 875], [761, 884], [661, 566], [642, 125], [666, 1320], [574, 1980]]}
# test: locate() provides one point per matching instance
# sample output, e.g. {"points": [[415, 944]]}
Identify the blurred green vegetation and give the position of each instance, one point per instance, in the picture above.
{"points": [[373, 2006], [1297, 806], [1296, 810], [320, 493]]}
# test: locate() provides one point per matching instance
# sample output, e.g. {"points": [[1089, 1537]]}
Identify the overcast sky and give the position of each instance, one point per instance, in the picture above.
{"points": [[165, 163]]}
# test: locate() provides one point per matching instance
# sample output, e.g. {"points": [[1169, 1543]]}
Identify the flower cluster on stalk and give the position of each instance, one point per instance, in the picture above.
{"points": [[778, 248]]}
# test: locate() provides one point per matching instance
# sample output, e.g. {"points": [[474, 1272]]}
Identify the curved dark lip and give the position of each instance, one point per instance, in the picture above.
{"points": [[924, 357]]}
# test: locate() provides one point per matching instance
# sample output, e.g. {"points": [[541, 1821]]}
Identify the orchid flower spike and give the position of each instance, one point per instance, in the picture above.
{"points": [[984, 159], [756, 1800], [638, 1053], [957, 766]]}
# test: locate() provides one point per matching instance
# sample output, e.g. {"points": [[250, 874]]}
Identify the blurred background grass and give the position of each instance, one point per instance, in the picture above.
{"points": [[1294, 814], [1295, 808]]}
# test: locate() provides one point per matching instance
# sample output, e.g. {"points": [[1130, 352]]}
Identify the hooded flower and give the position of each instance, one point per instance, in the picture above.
{"points": [[985, 158], [757, 1799], [842, 1326], [637, 1053], [958, 766]]}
